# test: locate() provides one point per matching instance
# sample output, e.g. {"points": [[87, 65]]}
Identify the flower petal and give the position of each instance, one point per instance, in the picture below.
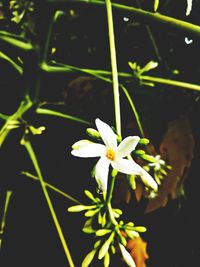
{"points": [[126, 166], [101, 173], [148, 180], [107, 134], [127, 256], [89, 150], [127, 146]]}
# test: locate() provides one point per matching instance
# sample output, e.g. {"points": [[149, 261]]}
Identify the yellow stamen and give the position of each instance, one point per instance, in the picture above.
{"points": [[110, 154]]}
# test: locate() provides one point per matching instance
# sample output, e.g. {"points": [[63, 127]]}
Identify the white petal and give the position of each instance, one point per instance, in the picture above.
{"points": [[148, 180], [127, 146], [101, 173], [107, 134], [127, 256], [89, 150], [189, 7], [126, 166]]}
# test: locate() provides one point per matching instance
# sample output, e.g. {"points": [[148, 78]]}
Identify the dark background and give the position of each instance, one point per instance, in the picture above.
{"points": [[80, 38]]}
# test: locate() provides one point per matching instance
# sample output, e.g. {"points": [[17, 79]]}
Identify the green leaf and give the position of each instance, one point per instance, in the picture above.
{"points": [[88, 258]]}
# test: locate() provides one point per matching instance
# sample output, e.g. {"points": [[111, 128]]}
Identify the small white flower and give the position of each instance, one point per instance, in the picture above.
{"points": [[111, 154], [158, 163]]}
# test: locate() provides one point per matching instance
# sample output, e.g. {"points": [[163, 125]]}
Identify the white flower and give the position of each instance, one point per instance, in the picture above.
{"points": [[158, 163], [111, 154]]}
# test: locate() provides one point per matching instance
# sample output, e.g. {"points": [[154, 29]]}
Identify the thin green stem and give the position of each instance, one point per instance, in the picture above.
{"points": [[144, 16], [44, 111], [133, 109], [33, 158], [55, 189], [170, 82], [114, 67], [109, 197], [15, 41], [3, 221], [105, 76], [25, 105], [44, 52]]}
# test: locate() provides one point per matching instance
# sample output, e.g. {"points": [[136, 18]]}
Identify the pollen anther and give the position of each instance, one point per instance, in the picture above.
{"points": [[110, 154]]}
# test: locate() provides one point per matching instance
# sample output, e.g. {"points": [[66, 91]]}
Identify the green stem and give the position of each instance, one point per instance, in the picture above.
{"points": [[103, 74], [52, 188], [25, 105], [109, 197], [15, 41], [3, 222], [144, 16], [134, 110], [48, 200], [170, 82], [114, 66], [50, 112]]}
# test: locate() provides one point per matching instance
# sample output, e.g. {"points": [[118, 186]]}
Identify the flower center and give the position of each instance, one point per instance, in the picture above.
{"points": [[110, 154]]}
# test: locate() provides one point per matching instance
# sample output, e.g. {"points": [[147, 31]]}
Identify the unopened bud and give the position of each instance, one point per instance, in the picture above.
{"points": [[93, 133]]}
